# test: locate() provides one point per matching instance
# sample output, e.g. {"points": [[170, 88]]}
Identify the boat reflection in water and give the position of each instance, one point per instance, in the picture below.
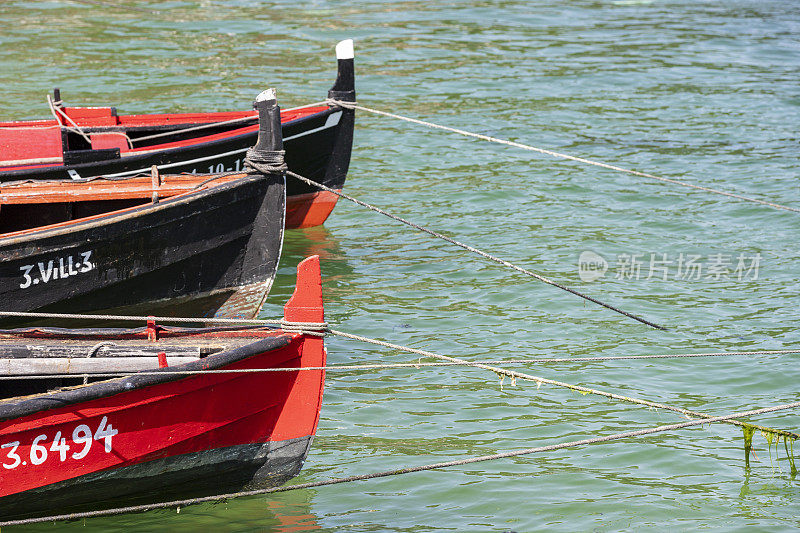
{"points": [[300, 243]]}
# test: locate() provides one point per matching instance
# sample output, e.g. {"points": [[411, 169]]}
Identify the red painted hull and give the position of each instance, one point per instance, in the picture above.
{"points": [[146, 437], [310, 209]]}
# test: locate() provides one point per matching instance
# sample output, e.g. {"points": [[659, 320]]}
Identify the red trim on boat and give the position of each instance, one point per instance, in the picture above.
{"points": [[194, 140], [306, 305], [162, 119]]}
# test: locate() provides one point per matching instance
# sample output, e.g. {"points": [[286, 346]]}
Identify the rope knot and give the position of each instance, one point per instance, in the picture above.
{"points": [[333, 100], [265, 161], [306, 328]]}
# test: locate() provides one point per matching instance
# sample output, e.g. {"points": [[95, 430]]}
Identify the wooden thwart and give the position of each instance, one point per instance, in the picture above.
{"points": [[100, 358], [45, 192], [63, 350], [85, 365]]}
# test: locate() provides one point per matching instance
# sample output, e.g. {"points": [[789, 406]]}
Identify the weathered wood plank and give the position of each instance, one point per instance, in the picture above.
{"points": [[84, 365], [45, 351]]}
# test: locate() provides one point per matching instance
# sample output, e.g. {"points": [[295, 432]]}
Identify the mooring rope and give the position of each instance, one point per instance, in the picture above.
{"points": [[477, 251], [314, 328], [257, 161], [253, 118], [353, 105], [402, 471], [163, 319], [319, 329], [514, 375], [390, 366], [77, 129], [244, 120]]}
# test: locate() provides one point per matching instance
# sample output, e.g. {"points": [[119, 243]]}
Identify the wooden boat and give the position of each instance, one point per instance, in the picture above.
{"points": [[159, 433], [82, 142], [145, 243]]}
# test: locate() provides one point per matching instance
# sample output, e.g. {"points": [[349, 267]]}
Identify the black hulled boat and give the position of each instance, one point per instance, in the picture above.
{"points": [[146, 244]]}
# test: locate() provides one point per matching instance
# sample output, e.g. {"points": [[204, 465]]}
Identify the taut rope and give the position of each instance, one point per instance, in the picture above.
{"points": [[401, 471], [514, 375], [201, 127], [319, 329], [477, 251], [390, 366], [353, 105]]}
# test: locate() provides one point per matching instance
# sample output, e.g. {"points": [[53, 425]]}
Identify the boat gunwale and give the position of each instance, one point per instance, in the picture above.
{"points": [[196, 120]]}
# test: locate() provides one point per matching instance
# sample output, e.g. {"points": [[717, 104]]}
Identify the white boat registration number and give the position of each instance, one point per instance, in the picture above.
{"points": [[81, 443], [60, 268]]}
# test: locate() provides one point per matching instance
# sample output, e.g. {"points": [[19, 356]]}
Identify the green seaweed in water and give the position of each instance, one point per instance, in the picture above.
{"points": [[748, 443], [770, 436], [789, 445]]}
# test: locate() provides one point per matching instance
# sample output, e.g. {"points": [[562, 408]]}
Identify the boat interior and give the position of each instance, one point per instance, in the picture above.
{"points": [[37, 360], [31, 205], [87, 134]]}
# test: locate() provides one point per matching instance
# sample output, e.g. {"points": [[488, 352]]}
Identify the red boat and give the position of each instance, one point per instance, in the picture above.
{"points": [[161, 433], [84, 142]]}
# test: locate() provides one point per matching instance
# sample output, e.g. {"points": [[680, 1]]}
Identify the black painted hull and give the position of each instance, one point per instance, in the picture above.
{"points": [[218, 247]]}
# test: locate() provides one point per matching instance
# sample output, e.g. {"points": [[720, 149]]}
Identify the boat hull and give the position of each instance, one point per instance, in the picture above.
{"points": [[171, 435], [218, 247]]}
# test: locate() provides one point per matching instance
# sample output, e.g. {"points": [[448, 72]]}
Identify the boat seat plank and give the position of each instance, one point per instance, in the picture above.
{"points": [[41, 192], [39, 351], [84, 365], [96, 116], [29, 143], [102, 141]]}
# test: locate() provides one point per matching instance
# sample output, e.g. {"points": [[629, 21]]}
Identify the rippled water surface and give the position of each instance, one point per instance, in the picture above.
{"points": [[704, 92]]}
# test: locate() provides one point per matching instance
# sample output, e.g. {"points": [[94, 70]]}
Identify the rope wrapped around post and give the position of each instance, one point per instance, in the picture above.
{"points": [[259, 161], [265, 159], [267, 156]]}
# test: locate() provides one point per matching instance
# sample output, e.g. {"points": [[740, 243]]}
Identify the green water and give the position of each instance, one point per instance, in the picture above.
{"points": [[705, 92]]}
